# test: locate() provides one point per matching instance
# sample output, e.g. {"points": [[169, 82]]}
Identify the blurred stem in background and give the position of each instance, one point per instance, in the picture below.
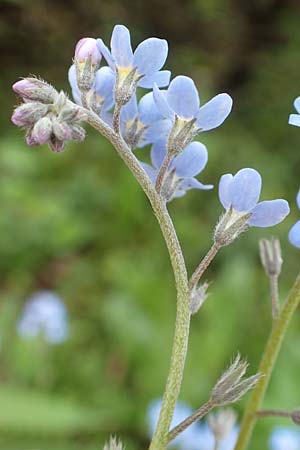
{"points": [[267, 364]]}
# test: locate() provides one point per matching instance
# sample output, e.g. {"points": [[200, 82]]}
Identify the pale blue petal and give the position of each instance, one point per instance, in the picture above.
{"points": [[192, 183], [148, 111], [214, 112], [245, 189], [106, 53], [183, 98], [104, 86], [150, 55], [107, 117], [157, 131], [160, 98], [224, 190], [294, 234], [298, 199], [158, 153], [267, 214], [121, 46], [294, 119], [191, 161], [285, 439], [161, 78], [150, 171], [73, 82], [297, 104], [130, 110]]}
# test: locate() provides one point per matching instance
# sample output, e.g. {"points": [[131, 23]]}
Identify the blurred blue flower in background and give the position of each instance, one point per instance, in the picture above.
{"points": [[294, 119], [284, 439], [294, 234], [44, 314]]}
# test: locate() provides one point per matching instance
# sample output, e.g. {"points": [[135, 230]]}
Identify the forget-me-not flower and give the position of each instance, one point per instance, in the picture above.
{"points": [[284, 439], [294, 119], [44, 314], [180, 175], [180, 103], [294, 234], [138, 68], [239, 194], [100, 98], [141, 123]]}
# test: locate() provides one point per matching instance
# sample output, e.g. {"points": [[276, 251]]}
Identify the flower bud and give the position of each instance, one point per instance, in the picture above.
{"points": [[198, 297], [77, 133], [42, 130], [62, 130], [270, 255], [295, 416], [33, 89], [28, 113], [222, 423], [87, 48], [231, 386], [56, 145]]}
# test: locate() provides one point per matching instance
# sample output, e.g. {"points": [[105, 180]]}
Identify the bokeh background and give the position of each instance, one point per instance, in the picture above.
{"points": [[77, 224]]}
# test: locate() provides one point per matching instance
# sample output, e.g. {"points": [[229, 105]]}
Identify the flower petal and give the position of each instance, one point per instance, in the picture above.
{"points": [[150, 171], [267, 214], [150, 55], [224, 189], [106, 53], [130, 110], [160, 98], [148, 111], [183, 98], [161, 78], [245, 189], [294, 119], [191, 161], [297, 104], [298, 199], [193, 183], [73, 82], [213, 113], [294, 234], [157, 131], [104, 86], [121, 46], [158, 153]]}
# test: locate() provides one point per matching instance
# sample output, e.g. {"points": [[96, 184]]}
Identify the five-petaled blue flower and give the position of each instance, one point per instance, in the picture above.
{"points": [[241, 193], [141, 123], [101, 96], [181, 100], [182, 169], [294, 119], [143, 65], [294, 234], [284, 439]]}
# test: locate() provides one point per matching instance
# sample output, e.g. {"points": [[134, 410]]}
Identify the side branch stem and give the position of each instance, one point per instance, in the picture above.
{"points": [[203, 265], [274, 295], [162, 172], [267, 364]]}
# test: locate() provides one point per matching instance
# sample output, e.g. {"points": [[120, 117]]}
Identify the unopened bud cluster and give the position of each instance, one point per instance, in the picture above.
{"points": [[47, 115], [270, 255], [231, 386]]}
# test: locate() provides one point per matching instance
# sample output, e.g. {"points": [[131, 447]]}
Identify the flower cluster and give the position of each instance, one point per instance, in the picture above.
{"points": [[47, 115]]}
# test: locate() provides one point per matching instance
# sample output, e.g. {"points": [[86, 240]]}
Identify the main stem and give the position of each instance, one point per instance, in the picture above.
{"points": [[268, 361], [182, 324]]}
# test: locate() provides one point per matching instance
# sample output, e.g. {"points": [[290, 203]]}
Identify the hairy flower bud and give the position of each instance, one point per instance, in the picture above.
{"points": [[42, 130], [270, 255], [61, 130], [33, 89], [85, 48], [87, 60], [222, 423], [198, 297], [113, 444], [28, 113], [231, 386], [295, 416]]}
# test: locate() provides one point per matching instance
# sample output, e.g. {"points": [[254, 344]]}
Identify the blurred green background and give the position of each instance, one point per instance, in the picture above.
{"points": [[78, 224]]}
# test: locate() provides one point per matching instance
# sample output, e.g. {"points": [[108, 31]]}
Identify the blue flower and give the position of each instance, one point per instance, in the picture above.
{"points": [[284, 439], [294, 234], [101, 97], [142, 124], [143, 65], [44, 314], [294, 119], [182, 100], [240, 194], [180, 176]]}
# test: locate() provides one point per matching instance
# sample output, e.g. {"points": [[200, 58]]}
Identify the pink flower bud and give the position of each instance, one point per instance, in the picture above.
{"points": [[87, 47], [30, 141], [42, 130], [20, 87], [33, 89], [28, 113]]}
